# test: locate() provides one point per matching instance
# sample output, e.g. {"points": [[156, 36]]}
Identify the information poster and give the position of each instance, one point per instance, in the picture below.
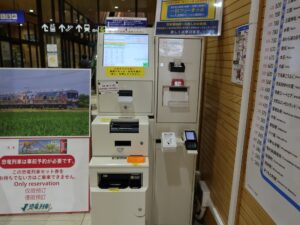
{"points": [[44, 175], [240, 51], [273, 166], [44, 140], [189, 17]]}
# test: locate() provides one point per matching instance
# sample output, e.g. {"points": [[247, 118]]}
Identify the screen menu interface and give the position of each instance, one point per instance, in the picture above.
{"points": [[125, 50]]}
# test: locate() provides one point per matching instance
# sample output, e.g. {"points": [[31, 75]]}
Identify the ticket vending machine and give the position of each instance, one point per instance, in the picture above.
{"points": [[178, 92], [144, 138], [121, 164]]}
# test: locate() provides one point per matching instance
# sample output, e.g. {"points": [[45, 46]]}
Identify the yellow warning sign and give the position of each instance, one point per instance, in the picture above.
{"points": [[124, 71]]}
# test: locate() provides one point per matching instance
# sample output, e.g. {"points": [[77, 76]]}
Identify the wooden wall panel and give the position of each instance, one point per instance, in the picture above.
{"points": [[220, 120], [209, 219], [221, 107], [249, 211]]}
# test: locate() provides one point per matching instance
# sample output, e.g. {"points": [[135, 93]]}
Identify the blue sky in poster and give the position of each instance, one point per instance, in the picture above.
{"points": [[16, 80]]}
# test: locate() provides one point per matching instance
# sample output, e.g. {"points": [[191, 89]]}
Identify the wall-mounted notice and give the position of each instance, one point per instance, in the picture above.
{"points": [[189, 17], [44, 175], [52, 57], [239, 54], [273, 166]]}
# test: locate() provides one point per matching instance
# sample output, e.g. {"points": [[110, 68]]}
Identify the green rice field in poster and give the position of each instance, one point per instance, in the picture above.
{"points": [[44, 102]]}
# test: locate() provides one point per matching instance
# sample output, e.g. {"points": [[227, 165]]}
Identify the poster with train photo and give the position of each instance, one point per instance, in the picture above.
{"points": [[44, 102], [44, 140]]}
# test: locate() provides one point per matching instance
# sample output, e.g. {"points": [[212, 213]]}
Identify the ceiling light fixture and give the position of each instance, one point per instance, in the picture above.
{"points": [[218, 5], [116, 7], [31, 10]]}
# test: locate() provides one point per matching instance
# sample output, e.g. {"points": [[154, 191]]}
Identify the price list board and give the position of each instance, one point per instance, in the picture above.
{"points": [[273, 164]]}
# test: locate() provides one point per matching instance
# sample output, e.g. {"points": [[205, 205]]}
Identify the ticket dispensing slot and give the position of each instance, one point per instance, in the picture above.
{"points": [[120, 180], [122, 143], [121, 126], [177, 67], [176, 96], [125, 96]]}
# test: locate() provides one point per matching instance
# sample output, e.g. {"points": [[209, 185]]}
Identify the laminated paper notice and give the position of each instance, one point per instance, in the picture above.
{"points": [[105, 87], [124, 71]]}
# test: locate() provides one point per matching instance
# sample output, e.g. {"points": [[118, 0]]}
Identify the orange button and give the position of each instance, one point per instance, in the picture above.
{"points": [[135, 159]]}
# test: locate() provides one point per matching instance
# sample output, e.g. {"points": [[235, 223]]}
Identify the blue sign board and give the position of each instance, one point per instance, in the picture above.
{"points": [[205, 28], [188, 11], [120, 22], [12, 16]]}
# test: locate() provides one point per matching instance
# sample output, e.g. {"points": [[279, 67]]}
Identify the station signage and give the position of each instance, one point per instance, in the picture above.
{"points": [[12, 16], [69, 28]]}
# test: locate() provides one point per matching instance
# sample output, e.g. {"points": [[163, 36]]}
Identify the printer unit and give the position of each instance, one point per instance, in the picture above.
{"points": [[120, 136], [118, 191]]}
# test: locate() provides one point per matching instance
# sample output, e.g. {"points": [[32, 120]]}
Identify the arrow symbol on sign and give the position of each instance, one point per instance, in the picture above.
{"points": [[45, 28], [78, 28], [62, 27]]}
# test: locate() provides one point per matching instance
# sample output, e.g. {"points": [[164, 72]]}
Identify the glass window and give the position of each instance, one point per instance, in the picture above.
{"points": [[5, 52], [46, 11], [16, 56], [67, 13], [26, 55]]}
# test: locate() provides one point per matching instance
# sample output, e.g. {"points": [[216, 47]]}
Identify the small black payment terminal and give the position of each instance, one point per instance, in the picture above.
{"points": [[190, 140]]}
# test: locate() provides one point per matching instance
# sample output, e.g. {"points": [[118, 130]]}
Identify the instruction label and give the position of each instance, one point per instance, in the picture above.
{"points": [[125, 71], [105, 87]]}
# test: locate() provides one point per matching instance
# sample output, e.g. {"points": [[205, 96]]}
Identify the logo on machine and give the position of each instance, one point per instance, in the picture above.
{"points": [[120, 149], [36, 207]]}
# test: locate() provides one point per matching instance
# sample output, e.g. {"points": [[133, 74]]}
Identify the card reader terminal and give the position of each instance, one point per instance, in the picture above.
{"points": [[190, 140]]}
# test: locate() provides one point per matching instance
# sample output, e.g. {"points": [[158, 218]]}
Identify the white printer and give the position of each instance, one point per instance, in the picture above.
{"points": [[120, 136]]}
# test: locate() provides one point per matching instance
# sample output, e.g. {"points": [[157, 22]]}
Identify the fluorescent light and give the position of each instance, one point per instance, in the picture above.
{"points": [[116, 7], [218, 4], [31, 10], [51, 20], [21, 24]]}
